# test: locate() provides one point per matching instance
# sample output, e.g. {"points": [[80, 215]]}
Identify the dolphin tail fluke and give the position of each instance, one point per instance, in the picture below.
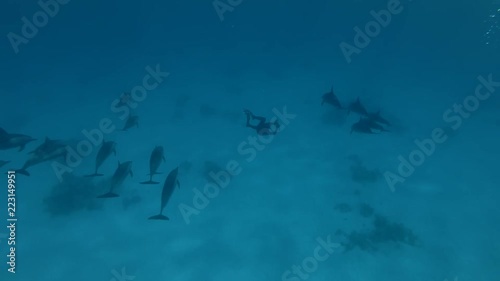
{"points": [[150, 182], [108, 195], [94, 175], [159, 217], [23, 172]]}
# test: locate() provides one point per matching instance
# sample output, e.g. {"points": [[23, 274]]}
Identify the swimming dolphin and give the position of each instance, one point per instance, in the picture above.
{"points": [[104, 152], [121, 173], [132, 120], [375, 125], [377, 118], [362, 126], [155, 160], [47, 145], [9, 141], [330, 98], [168, 189], [357, 107], [2, 163], [366, 126], [47, 151]]}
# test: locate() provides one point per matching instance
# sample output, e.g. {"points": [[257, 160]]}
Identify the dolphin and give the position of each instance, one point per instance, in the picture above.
{"points": [[157, 156], [47, 145], [104, 152], [366, 126], [168, 189], [132, 120], [362, 126], [9, 141], [357, 107], [47, 151], [377, 118], [375, 125], [2, 163], [121, 173], [330, 98]]}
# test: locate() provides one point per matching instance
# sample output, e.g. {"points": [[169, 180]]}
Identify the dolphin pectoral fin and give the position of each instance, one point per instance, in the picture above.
{"points": [[22, 172], [159, 217], [149, 182], [178, 184], [108, 195], [164, 160], [94, 175], [131, 173], [21, 148]]}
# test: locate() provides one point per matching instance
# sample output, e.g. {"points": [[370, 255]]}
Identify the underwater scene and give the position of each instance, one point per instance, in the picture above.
{"points": [[217, 140]]}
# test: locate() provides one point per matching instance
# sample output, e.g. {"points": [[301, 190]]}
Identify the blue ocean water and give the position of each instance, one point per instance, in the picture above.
{"points": [[334, 193]]}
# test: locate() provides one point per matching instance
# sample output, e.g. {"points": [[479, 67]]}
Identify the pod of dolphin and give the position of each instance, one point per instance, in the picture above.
{"points": [[369, 123], [49, 150], [54, 149]]}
